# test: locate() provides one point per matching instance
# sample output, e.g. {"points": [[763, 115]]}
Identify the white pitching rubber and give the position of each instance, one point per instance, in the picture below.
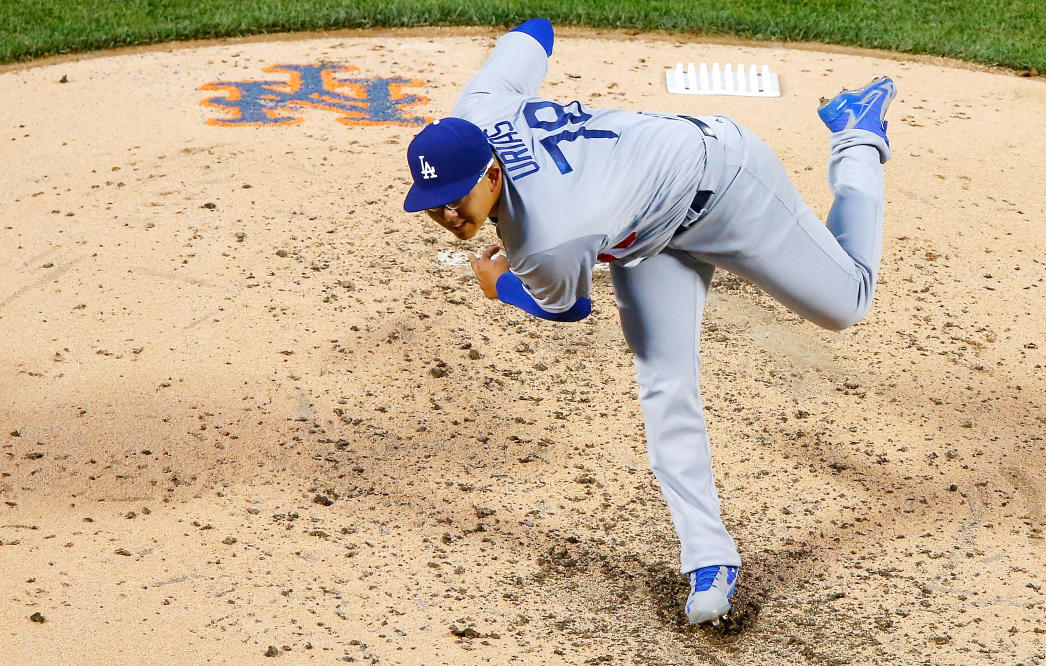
{"points": [[744, 81]]}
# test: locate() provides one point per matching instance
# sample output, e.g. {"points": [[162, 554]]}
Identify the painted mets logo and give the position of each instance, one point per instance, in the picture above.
{"points": [[375, 101]]}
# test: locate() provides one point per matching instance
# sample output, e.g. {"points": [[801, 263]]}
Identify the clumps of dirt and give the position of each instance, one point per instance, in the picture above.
{"points": [[647, 597], [469, 631], [668, 590]]}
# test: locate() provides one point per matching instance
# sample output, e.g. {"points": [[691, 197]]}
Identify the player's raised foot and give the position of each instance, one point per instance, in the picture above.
{"points": [[710, 590], [863, 108]]}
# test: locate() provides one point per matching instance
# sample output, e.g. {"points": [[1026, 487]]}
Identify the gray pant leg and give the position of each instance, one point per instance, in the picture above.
{"points": [[760, 229], [661, 303]]}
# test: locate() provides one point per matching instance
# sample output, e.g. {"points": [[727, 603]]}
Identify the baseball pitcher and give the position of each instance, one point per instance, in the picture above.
{"points": [[665, 200]]}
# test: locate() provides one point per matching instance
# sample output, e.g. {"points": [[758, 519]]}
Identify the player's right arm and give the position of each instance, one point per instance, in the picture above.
{"points": [[497, 281], [518, 63], [551, 284]]}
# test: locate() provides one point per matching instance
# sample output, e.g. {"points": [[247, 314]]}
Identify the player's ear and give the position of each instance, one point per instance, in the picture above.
{"points": [[493, 176]]}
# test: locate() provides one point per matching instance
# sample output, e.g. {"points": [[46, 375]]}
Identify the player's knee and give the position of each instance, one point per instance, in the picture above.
{"points": [[851, 305], [668, 381], [838, 324], [838, 321]]}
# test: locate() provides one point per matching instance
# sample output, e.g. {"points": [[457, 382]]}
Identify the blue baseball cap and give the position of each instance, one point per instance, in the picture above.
{"points": [[446, 159]]}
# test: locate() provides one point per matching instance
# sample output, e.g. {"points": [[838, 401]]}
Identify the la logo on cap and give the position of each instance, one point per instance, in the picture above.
{"points": [[446, 160], [427, 170]]}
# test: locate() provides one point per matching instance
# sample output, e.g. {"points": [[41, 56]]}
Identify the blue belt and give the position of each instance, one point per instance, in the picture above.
{"points": [[701, 125], [702, 197]]}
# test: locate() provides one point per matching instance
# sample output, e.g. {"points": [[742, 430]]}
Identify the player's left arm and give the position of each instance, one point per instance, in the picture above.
{"points": [[518, 63]]}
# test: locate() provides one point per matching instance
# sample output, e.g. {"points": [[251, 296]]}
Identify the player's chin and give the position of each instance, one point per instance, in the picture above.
{"points": [[466, 231]]}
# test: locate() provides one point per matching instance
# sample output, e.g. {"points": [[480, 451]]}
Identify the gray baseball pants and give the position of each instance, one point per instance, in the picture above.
{"points": [[757, 227]]}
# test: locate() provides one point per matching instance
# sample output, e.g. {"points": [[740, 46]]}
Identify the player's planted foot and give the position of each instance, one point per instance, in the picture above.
{"points": [[863, 108], [710, 591]]}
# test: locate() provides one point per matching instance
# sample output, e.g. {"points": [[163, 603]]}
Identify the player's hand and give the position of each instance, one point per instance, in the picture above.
{"points": [[488, 269]]}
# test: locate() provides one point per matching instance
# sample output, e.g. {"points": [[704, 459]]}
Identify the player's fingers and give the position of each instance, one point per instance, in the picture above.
{"points": [[491, 251]]}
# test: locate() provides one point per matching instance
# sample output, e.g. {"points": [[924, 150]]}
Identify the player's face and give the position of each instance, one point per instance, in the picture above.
{"points": [[454, 217], [464, 217]]}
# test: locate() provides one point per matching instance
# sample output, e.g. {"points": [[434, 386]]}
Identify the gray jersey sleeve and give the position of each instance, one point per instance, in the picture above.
{"points": [[557, 277], [517, 65]]}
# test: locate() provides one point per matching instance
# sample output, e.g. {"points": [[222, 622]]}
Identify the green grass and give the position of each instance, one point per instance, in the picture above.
{"points": [[1010, 33]]}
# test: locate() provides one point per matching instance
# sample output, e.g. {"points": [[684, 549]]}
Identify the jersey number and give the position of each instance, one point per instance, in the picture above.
{"points": [[563, 117]]}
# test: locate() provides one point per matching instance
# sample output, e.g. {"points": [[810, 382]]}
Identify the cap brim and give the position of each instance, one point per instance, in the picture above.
{"points": [[420, 198]]}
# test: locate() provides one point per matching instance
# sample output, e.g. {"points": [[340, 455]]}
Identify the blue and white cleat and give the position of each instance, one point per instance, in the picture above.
{"points": [[710, 591], [863, 108]]}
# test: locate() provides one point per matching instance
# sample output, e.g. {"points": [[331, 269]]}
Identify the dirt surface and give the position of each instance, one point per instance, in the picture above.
{"points": [[250, 411]]}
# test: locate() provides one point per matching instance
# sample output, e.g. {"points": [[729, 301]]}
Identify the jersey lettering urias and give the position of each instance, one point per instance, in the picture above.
{"points": [[581, 185]]}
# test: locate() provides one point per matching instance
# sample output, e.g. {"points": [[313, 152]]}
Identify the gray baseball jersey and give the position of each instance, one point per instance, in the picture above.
{"points": [[582, 185], [585, 186]]}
